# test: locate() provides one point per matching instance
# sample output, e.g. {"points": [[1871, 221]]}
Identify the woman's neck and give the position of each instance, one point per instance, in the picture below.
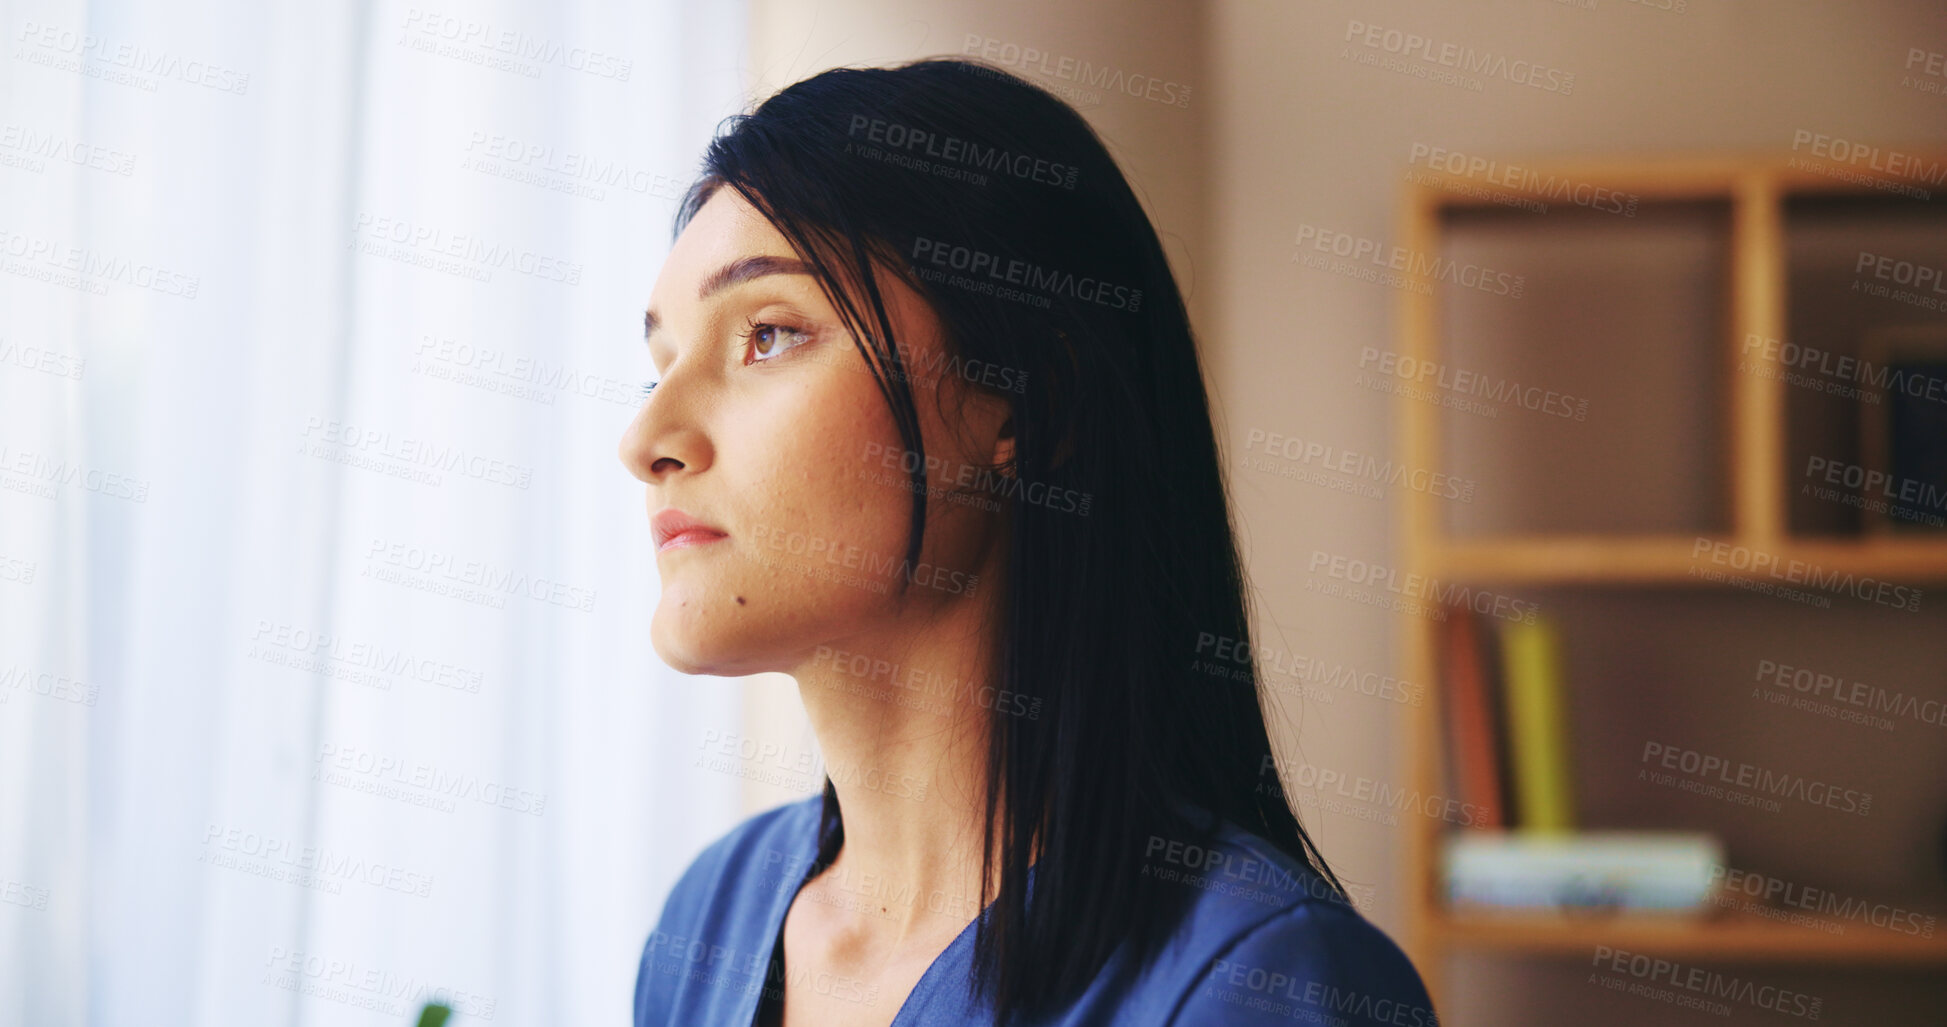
{"points": [[903, 723]]}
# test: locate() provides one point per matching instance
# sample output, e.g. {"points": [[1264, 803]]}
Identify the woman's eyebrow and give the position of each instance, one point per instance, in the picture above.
{"points": [[738, 271], [743, 269]]}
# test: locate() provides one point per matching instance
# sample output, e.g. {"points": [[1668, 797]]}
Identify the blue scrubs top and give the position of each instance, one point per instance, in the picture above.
{"points": [[1262, 942]]}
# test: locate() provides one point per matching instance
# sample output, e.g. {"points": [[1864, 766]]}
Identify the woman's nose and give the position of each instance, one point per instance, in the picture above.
{"points": [[662, 439], [636, 449]]}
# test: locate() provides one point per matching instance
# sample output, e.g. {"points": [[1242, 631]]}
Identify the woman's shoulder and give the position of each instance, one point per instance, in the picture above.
{"points": [[1266, 939], [710, 947], [778, 843]]}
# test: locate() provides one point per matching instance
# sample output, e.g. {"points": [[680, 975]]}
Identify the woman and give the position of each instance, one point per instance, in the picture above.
{"points": [[930, 436]]}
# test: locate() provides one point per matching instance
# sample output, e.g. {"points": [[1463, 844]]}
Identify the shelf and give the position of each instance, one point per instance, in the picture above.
{"points": [[1693, 431], [1663, 559], [1676, 176], [1727, 937]]}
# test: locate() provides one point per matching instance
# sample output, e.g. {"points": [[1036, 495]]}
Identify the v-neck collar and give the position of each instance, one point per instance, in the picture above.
{"points": [[781, 907]]}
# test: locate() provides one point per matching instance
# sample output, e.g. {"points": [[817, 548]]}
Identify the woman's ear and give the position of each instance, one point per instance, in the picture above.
{"points": [[1004, 447]]}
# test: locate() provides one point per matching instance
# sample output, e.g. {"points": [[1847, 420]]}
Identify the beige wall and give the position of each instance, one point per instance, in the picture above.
{"points": [[1301, 134]]}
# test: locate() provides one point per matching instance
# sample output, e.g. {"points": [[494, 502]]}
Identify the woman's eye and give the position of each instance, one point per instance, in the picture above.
{"points": [[770, 340]]}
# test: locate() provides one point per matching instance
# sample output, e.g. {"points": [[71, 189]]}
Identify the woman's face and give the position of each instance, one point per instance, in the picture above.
{"points": [[767, 428]]}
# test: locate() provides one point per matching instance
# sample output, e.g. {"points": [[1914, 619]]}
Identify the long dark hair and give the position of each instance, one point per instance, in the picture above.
{"points": [[998, 203]]}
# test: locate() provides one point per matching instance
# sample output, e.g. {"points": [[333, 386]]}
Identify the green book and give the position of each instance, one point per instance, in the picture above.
{"points": [[1538, 725]]}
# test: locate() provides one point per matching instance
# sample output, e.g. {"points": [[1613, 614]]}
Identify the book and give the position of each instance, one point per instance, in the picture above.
{"points": [[1494, 680], [1637, 871], [1473, 727], [1537, 725]]}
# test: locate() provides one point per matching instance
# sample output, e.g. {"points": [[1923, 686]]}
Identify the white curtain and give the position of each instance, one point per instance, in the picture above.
{"points": [[325, 682]]}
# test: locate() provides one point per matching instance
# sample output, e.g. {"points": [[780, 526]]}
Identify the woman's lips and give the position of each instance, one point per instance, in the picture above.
{"points": [[689, 537], [674, 529]]}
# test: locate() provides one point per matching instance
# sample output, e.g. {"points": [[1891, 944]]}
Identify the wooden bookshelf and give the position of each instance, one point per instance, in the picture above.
{"points": [[1744, 937], [1756, 188], [1592, 559]]}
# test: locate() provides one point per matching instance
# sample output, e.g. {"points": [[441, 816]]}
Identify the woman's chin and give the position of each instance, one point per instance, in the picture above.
{"points": [[692, 642], [677, 646]]}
